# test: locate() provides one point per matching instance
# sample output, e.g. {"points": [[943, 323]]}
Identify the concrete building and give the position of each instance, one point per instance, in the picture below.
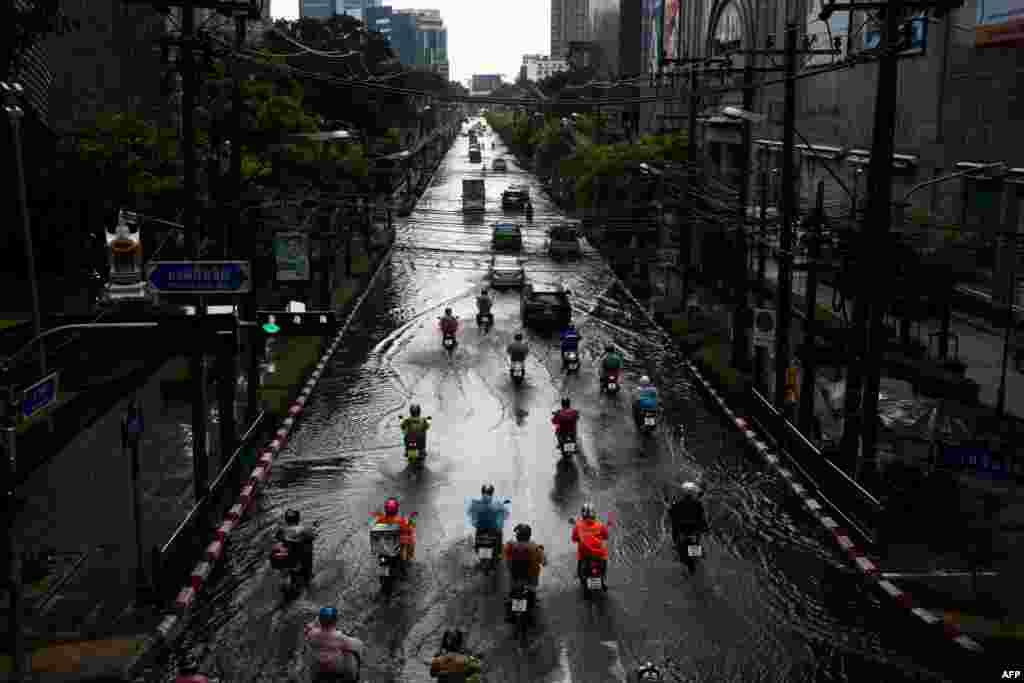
{"points": [[431, 40], [485, 83], [957, 97], [569, 21], [316, 9], [538, 67], [400, 30]]}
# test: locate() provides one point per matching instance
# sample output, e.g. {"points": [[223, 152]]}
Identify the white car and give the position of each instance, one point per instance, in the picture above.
{"points": [[507, 271]]}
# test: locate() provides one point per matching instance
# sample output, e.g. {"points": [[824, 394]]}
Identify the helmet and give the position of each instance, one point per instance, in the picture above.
{"points": [[523, 532], [487, 490], [519, 336], [291, 517], [189, 666], [691, 489], [447, 311], [452, 640], [566, 402], [570, 327], [587, 511], [391, 506], [328, 615], [414, 410], [648, 672], [483, 292], [609, 349], [645, 380]]}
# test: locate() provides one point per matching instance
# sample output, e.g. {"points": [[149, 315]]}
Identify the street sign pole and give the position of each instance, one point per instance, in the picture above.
{"points": [[14, 579]]}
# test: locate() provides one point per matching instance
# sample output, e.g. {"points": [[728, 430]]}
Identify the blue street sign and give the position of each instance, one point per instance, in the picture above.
{"points": [[200, 277], [40, 395], [978, 459]]}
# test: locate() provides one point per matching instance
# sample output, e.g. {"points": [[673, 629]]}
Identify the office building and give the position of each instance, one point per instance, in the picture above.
{"points": [[355, 8], [316, 9], [431, 40], [569, 20], [538, 67]]}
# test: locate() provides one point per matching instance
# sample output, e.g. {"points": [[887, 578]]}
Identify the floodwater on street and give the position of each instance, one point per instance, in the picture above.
{"points": [[769, 603]]}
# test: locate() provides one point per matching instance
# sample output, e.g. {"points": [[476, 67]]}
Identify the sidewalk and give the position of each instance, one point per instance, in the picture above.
{"points": [[81, 618]]}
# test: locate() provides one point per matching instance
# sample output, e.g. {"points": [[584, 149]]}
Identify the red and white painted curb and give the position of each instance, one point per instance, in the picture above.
{"points": [[214, 552], [860, 561]]}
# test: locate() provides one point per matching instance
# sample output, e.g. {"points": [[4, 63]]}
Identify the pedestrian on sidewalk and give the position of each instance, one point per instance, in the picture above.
{"points": [[132, 424]]}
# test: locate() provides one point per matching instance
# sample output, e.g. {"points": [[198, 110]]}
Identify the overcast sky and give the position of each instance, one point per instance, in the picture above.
{"points": [[483, 37]]}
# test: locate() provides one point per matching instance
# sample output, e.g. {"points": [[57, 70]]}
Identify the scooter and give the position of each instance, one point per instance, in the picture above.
{"points": [[524, 601], [386, 546], [518, 371], [610, 382], [448, 341], [590, 573], [415, 446], [485, 320], [571, 361], [689, 549], [567, 444], [647, 420], [486, 544]]}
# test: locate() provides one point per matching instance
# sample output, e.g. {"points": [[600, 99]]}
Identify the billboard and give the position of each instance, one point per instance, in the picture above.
{"points": [[671, 31], [291, 251], [1000, 22]]}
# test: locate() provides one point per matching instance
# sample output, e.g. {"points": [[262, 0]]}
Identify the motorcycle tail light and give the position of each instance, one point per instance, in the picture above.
{"points": [[594, 571]]}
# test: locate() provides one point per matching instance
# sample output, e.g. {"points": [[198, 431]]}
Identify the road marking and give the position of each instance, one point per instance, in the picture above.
{"points": [[563, 662], [615, 669]]}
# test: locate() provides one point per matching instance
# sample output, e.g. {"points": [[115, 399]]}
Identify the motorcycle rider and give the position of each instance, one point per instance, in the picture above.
{"points": [[483, 305], [589, 534], [299, 539], [188, 672], [337, 657], [525, 560], [529, 210], [565, 420], [518, 349], [570, 340], [646, 397], [487, 514], [417, 426], [449, 323], [612, 361], [648, 672], [687, 513], [407, 525], [451, 664]]}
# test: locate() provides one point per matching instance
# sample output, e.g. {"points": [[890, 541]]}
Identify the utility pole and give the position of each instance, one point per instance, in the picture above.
{"points": [[762, 263], [15, 587], [810, 318], [686, 245], [740, 341], [879, 219], [784, 306]]}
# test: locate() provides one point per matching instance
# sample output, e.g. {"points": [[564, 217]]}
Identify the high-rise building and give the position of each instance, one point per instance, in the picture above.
{"points": [[355, 8], [569, 21], [485, 83], [602, 31], [316, 9], [538, 67], [431, 40]]}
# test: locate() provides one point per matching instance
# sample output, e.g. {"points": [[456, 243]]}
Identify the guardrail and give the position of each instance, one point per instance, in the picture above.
{"points": [[178, 554], [861, 511]]}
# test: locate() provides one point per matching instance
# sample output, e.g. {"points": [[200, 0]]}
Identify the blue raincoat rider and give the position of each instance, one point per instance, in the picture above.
{"points": [[570, 339], [487, 514]]}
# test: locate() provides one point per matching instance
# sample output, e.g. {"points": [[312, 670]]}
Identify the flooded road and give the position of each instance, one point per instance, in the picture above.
{"points": [[757, 609]]}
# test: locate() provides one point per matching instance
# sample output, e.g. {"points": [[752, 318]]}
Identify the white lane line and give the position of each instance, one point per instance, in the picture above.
{"points": [[615, 669], [563, 663]]}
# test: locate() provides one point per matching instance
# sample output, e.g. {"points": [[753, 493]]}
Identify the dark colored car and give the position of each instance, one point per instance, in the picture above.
{"points": [[516, 197], [546, 305]]}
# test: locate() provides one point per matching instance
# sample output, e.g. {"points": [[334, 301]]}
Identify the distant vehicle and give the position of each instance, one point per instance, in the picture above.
{"points": [[473, 195], [516, 197], [507, 271], [500, 165], [474, 155], [507, 236], [564, 240], [546, 305]]}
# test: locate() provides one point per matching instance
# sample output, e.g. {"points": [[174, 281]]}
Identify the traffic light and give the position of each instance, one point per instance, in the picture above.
{"points": [[286, 323]]}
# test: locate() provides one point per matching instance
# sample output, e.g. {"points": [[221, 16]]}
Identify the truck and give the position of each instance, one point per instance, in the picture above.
{"points": [[473, 194]]}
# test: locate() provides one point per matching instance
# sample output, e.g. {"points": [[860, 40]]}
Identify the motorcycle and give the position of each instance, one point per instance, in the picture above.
{"points": [[647, 420], [289, 567], [415, 447], [448, 340], [518, 371], [524, 601], [689, 549], [648, 673], [486, 544], [567, 444], [591, 572], [386, 546], [571, 361], [610, 382], [485, 320]]}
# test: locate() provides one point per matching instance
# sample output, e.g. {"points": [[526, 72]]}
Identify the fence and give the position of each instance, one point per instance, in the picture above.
{"points": [[177, 556], [860, 512]]}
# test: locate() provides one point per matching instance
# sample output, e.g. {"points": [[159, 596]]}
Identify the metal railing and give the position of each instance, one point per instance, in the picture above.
{"points": [[178, 555], [853, 505]]}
